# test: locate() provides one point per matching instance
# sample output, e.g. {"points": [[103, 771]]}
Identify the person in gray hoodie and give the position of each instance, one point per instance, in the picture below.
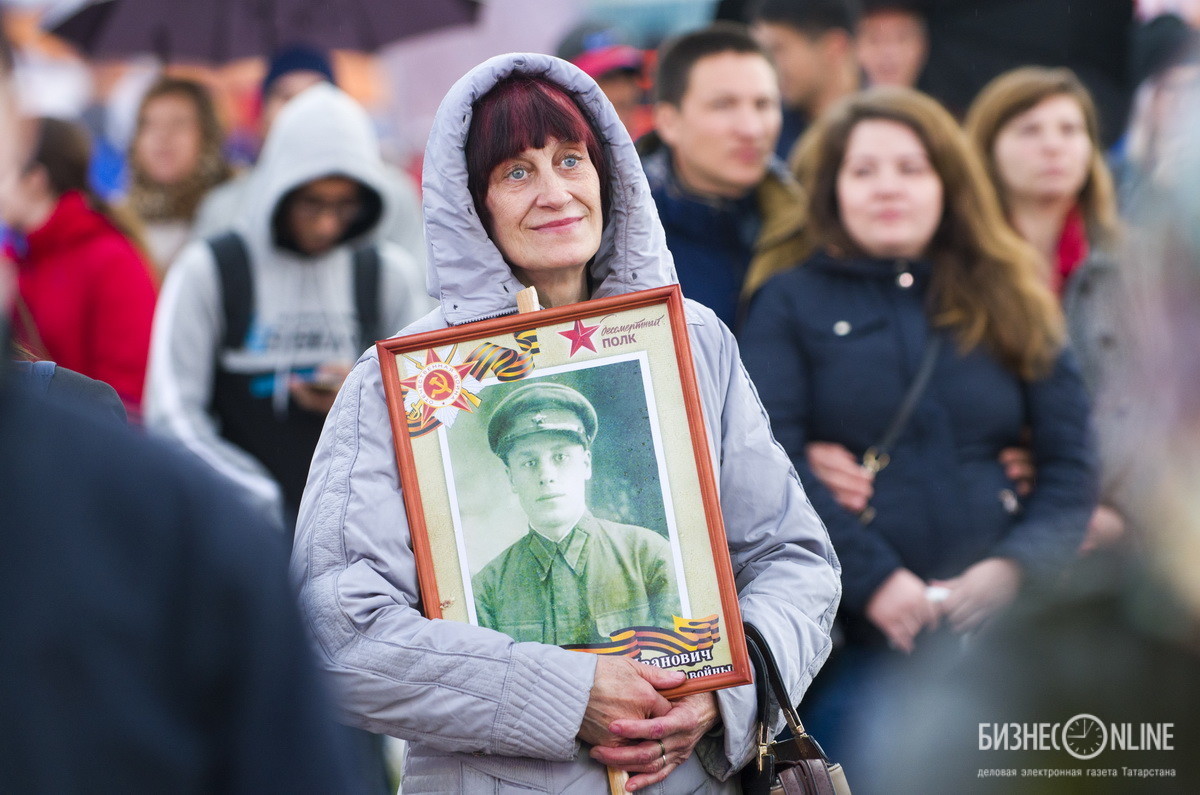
{"points": [[293, 69], [483, 712], [243, 370]]}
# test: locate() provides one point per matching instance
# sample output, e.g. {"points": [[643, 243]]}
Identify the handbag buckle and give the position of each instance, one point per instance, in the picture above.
{"points": [[875, 461], [763, 746]]}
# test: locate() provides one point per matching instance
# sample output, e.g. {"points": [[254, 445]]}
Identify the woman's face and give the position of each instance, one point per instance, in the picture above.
{"points": [[169, 140], [1043, 154], [545, 209], [889, 196]]}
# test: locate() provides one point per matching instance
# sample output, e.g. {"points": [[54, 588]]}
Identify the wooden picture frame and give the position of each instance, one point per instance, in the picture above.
{"points": [[645, 571]]}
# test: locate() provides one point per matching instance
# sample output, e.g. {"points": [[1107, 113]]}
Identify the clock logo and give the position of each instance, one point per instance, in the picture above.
{"points": [[1084, 736]]}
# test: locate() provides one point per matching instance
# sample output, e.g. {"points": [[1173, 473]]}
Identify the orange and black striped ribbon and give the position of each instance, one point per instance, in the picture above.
{"points": [[688, 635], [505, 363]]}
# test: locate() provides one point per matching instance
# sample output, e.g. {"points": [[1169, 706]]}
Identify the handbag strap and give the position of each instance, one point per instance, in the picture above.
{"points": [[878, 455], [768, 685]]}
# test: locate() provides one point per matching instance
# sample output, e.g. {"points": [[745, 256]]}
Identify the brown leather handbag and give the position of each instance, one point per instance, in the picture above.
{"points": [[792, 766]]}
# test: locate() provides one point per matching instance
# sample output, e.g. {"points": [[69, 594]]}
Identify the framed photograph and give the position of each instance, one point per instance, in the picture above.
{"points": [[559, 484]]}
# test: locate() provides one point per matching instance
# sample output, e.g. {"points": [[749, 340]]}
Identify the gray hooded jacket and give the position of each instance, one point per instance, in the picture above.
{"points": [[485, 713], [304, 311]]}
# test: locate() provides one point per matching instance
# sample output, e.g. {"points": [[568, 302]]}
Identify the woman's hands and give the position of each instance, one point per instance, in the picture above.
{"points": [[900, 609], [633, 728], [844, 475], [660, 744], [624, 689], [979, 592]]}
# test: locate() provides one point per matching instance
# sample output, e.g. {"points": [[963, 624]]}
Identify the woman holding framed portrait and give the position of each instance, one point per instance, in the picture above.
{"points": [[531, 180]]}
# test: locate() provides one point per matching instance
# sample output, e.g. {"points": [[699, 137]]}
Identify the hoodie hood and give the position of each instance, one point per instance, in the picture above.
{"points": [[321, 133], [466, 271]]}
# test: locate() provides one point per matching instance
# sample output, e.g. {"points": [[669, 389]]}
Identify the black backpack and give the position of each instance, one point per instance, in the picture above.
{"points": [[237, 290]]}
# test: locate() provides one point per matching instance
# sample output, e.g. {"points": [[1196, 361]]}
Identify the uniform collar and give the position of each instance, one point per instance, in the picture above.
{"points": [[571, 547]]}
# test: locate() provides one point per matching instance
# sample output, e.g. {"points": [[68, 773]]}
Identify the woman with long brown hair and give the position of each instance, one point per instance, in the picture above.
{"points": [[175, 158], [1038, 134], [86, 292], [917, 279]]}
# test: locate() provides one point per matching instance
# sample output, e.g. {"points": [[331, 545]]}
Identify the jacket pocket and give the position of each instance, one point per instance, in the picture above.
{"points": [[504, 775], [636, 615], [523, 631]]}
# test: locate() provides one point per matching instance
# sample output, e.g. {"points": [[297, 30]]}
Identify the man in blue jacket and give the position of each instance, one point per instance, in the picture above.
{"points": [[732, 213]]}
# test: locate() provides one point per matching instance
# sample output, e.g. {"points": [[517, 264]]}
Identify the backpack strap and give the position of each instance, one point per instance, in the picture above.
{"points": [[367, 268], [237, 288]]}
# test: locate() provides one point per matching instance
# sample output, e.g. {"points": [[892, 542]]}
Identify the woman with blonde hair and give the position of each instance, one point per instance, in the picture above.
{"points": [[896, 363]]}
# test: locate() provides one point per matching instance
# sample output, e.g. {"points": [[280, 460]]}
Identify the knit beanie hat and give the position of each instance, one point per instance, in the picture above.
{"points": [[296, 58]]}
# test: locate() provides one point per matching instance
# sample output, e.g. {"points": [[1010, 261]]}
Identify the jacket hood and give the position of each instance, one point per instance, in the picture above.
{"points": [[323, 132], [466, 271]]}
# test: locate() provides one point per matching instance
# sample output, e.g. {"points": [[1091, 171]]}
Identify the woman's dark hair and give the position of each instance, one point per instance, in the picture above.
{"points": [[677, 56], [63, 150], [519, 113]]}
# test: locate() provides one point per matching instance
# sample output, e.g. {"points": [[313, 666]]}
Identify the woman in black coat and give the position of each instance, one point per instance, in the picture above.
{"points": [[913, 248]]}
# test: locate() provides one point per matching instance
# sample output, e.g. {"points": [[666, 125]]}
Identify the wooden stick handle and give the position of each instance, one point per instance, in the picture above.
{"points": [[527, 300]]}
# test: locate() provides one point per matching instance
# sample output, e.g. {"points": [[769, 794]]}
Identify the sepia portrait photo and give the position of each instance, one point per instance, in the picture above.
{"points": [[564, 524]]}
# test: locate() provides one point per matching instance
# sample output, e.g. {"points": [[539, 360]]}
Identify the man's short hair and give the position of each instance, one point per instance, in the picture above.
{"points": [[810, 17], [677, 56], [541, 408]]}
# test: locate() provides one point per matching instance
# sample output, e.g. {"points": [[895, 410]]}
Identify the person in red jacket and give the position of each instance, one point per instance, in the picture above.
{"points": [[86, 290]]}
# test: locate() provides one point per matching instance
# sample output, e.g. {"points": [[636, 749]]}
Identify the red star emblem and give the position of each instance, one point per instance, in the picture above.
{"points": [[580, 337]]}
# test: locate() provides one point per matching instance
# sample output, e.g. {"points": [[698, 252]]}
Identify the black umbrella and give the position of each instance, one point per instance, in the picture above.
{"points": [[217, 31]]}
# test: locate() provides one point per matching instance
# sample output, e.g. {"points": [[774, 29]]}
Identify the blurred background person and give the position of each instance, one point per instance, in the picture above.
{"points": [[1120, 643], [167, 652], [917, 271], [606, 55], [289, 71], [1038, 134], [292, 70], [811, 43], [891, 42], [86, 288], [175, 158], [732, 212], [258, 328], [1166, 60]]}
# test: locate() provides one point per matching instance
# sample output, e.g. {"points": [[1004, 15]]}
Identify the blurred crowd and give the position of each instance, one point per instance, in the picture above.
{"points": [[971, 325]]}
